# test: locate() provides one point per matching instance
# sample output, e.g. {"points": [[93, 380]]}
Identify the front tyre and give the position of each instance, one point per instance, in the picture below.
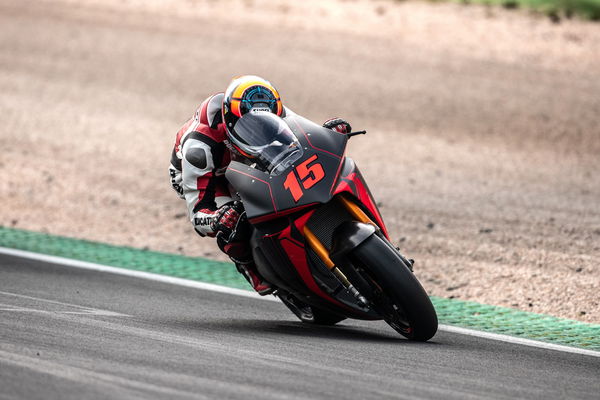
{"points": [[396, 293]]}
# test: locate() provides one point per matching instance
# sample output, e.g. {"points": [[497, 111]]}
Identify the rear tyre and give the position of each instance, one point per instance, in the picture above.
{"points": [[309, 314], [396, 293]]}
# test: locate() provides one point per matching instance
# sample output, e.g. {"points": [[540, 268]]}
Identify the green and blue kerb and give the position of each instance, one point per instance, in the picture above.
{"points": [[454, 312]]}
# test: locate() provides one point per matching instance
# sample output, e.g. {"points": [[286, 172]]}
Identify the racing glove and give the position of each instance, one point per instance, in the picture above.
{"points": [[232, 231], [337, 124], [227, 219]]}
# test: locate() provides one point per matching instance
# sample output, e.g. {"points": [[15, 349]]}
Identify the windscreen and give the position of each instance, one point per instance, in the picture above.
{"points": [[267, 139]]}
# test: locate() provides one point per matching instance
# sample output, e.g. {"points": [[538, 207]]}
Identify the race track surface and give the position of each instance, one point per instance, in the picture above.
{"points": [[482, 145], [69, 333]]}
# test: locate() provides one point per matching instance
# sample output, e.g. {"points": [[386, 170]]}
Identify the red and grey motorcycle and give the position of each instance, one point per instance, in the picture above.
{"points": [[317, 234]]}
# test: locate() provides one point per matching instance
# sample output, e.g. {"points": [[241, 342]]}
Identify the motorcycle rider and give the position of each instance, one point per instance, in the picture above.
{"points": [[203, 149]]}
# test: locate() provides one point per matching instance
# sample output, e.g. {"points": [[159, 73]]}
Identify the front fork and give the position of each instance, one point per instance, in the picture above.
{"points": [[322, 252]]}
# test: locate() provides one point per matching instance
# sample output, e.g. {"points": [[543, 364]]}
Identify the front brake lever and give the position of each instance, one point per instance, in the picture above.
{"points": [[355, 133]]}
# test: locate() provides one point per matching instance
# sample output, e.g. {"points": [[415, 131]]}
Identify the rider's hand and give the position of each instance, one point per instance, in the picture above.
{"points": [[226, 220], [337, 124]]}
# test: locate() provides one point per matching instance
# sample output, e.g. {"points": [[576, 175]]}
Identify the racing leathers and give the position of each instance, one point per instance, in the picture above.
{"points": [[198, 165]]}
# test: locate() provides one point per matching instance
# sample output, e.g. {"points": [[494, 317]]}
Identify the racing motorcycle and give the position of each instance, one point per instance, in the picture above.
{"points": [[316, 232]]}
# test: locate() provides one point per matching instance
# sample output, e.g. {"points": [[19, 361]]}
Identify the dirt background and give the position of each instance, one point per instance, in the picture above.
{"points": [[483, 144]]}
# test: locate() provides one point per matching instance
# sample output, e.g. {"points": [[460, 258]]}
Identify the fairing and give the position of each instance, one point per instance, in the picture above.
{"points": [[279, 215], [268, 196]]}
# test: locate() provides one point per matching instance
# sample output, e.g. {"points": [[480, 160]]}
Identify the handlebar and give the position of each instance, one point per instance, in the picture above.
{"points": [[356, 133]]}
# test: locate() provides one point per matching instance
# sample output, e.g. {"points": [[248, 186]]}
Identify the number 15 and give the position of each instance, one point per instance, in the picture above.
{"points": [[308, 175]]}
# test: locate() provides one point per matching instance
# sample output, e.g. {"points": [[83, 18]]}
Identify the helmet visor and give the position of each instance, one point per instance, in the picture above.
{"points": [[267, 138]]}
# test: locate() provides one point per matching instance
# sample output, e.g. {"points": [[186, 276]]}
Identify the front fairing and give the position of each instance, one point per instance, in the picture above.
{"points": [[303, 192], [310, 180]]}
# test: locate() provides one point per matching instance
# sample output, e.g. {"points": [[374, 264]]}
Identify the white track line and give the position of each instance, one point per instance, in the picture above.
{"points": [[238, 292], [128, 272]]}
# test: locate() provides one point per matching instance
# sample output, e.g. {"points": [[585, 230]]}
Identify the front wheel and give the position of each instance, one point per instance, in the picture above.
{"points": [[309, 314], [395, 292]]}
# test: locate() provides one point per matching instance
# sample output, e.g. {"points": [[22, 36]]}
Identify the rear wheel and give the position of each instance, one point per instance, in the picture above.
{"points": [[309, 314], [394, 291]]}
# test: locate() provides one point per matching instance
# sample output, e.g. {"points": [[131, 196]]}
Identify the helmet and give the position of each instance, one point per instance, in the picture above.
{"points": [[248, 93]]}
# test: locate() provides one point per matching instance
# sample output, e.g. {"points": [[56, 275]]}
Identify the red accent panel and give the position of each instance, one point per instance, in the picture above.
{"points": [[365, 197], [280, 214], [203, 181], [207, 211], [296, 252], [301, 221], [343, 187], [337, 175], [297, 256]]}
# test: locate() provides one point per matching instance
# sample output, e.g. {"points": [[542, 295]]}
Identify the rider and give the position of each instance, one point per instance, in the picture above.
{"points": [[202, 151]]}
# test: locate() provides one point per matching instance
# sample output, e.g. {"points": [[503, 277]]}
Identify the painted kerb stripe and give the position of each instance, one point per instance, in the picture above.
{"points": [[451, 312]]}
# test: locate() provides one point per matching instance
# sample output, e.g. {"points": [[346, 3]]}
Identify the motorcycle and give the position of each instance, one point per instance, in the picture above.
{"points": [[316, 232]]}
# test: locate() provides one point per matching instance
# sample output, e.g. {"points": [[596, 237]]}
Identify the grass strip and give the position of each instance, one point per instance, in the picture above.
{"points": [[466, 314], [555, 9]]}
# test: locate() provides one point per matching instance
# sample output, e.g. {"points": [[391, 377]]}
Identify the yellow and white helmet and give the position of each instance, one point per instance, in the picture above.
{"points": [[248, 93]]}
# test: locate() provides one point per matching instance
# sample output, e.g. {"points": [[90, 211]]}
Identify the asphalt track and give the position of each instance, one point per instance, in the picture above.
{"points": [[71, 333]]}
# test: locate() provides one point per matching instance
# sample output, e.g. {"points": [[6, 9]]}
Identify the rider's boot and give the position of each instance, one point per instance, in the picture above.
{"points": [[251, 274]]}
